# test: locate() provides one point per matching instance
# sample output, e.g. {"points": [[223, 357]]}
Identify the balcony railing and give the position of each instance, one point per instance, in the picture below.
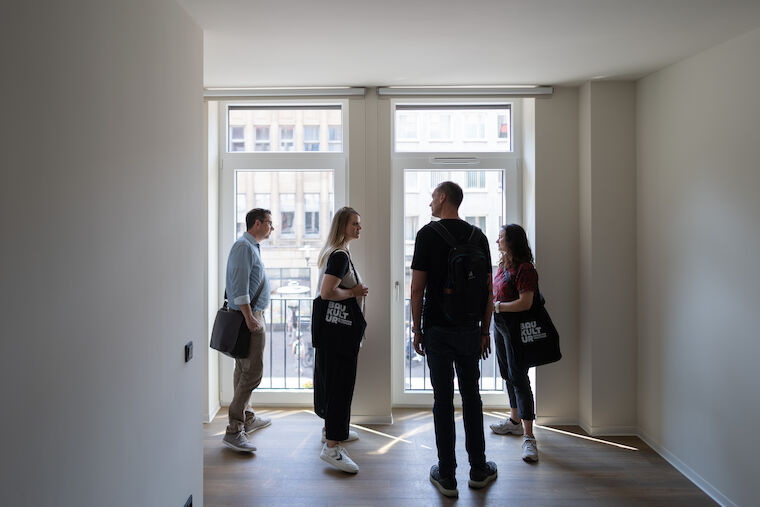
{"points": [[290, 355], [416, 378]]}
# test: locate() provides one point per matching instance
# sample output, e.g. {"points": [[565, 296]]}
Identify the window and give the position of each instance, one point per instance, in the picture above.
{"points": [[440, 127], [262, 201], [407, 126], [286, 138], [502, 126], [411, 226], [287, 214], [311, 138], [476, 179], [262, 139], [242, 210], [410, 182], [477, 221], [474, 127], [237, 137], [335, 137], [285, 128], [311, 214], [455, 128], [438, 177]]}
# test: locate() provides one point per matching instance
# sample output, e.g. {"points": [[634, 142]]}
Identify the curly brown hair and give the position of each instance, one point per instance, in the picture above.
{"points": [[517, 247]]}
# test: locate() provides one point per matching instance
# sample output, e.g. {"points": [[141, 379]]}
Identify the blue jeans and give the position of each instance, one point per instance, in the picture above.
{"points": [[516, 378], [447, 348]]}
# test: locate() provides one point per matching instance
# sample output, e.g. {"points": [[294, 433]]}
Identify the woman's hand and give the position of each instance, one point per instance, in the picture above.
{"points": [[359, 290]]}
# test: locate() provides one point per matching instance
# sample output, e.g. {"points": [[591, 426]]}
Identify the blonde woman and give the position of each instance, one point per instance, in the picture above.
{"points": [[335, 367]]}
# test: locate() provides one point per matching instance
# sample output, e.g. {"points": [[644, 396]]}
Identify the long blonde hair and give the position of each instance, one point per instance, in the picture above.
{"points": [[336, 238]]}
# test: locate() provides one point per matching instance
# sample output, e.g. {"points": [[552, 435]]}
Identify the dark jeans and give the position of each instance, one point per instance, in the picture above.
{"points": [[516, 378], [334, 380], [447, 348]]}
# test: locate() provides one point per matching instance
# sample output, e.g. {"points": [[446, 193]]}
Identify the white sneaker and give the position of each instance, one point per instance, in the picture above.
{"points": [[352, 435], [506, 427], [529, 450], [238, 442], [257, 424], [339, 458]]}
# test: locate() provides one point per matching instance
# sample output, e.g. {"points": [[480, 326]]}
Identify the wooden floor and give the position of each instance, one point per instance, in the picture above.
{"points": [[395, 459]]}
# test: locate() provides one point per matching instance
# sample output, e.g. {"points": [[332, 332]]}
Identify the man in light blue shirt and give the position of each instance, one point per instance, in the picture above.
{"points": [[248, 292]]}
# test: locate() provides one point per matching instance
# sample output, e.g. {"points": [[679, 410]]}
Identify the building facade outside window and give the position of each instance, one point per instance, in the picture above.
{"points": [[262, 139], [237, 138], [311, 214], [311, 138], [287, 142], [287, 214], [335, 137]]}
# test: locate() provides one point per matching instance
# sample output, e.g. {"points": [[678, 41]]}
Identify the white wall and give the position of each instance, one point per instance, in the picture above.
{"points": [[102, 253], [369, 193], [556, 247], [698, 275], [608, 259]]}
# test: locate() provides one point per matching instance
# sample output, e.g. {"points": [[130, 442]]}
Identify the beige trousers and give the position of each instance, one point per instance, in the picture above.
{"points": [[247, 377]]}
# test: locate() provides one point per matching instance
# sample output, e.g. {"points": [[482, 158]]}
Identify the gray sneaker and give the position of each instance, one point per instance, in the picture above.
{"points": [[481, 476], [506, 427], [257, 424], [339, 458], [529, 450], [352, 435], [446, 485], [238, 442]]}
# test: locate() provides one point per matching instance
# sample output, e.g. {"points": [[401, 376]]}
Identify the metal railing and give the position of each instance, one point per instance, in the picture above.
{"points": [[291, 356], [416, 378]]}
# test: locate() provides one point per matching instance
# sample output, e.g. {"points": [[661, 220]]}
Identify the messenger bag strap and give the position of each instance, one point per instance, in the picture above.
{"points": [[255, 298]]}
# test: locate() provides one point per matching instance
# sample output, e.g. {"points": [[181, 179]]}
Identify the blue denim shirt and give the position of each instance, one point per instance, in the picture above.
{"points": [[245, 271]]}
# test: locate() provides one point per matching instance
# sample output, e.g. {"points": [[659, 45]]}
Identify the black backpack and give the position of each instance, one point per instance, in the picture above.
{"points": [[465, 291]]}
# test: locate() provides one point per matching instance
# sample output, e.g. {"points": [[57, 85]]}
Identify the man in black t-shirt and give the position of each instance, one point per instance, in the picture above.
{"points": [[448, 345]]}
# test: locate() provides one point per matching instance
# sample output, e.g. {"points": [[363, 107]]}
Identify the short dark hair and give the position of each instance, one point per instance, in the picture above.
{"points": [[259, 214], [452, 191]]}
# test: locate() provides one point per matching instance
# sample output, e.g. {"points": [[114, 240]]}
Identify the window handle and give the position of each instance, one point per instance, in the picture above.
{"points": [[397, 287]]}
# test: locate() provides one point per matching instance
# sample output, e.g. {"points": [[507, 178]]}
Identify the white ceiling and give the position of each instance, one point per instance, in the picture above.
{"points": [[455, 42]]}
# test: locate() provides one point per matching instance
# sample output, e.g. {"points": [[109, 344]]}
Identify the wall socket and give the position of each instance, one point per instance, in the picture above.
{"points": [[188, 351], [189, 502]]}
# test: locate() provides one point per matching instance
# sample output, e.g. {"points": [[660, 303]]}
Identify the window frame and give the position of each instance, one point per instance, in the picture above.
{"points": [[229, 164], [510, 164]]}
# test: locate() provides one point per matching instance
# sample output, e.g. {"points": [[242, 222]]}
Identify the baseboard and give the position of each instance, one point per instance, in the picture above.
{"points": [[372, 419], [543, 420], [687, 471], [613, 431]]}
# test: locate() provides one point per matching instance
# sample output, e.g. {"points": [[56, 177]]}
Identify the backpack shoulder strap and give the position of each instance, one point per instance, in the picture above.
{"points": [[444, 233], [474, 238]]}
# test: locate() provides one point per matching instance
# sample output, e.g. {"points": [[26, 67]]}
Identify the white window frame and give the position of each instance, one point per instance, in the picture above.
{"points": [[229, 163], [508, 161]]}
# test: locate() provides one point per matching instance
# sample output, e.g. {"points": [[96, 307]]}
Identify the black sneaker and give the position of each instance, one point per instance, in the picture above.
{"points": [[481, 476], [446, 485]]}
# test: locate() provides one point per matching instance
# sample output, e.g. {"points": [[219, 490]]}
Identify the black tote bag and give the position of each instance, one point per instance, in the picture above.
{"points": [[337, 325], [531, 336], [230, 334]]}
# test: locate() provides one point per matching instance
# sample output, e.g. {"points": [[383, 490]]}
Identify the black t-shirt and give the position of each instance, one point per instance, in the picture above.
{"points": [[431, 254], [337, 264]]}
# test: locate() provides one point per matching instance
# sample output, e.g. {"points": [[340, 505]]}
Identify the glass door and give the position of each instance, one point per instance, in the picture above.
{"points": [[431, 143], [291, 160]]}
